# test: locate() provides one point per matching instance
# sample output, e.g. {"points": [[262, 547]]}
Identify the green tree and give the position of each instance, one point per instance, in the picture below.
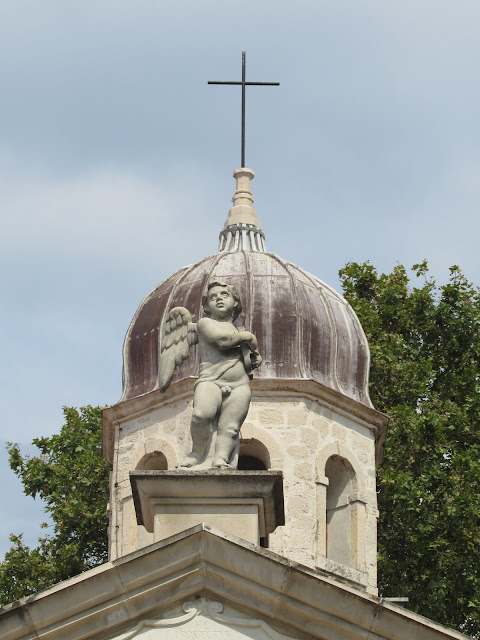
{"points": [[71, 476], [425, 373]]}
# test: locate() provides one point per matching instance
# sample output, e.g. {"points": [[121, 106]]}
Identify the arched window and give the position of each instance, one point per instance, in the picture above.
{"points": [[253, 456], [155, 461], [341, 487]]}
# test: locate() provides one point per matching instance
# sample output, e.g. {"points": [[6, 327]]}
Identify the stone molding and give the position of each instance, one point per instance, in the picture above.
{"points": [[111, 599], [356, 571], [208, 609], [277, 389], [338, 449], [242, 211], [249, 503], [241, 237]]}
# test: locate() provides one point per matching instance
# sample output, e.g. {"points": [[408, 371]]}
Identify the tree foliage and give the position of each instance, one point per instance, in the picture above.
{"points": [[71, 476], [425, 354]]}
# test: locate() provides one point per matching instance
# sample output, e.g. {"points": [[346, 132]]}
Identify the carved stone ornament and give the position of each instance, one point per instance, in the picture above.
{"points": [[203, 619], [222, 392]]}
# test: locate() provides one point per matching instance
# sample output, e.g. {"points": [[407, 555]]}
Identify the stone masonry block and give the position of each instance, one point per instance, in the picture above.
{"points": [[271, 416], [310, 438], [339, 433], [169, 426], [297, 451], [304, 523], [362, 456], [322, 425], [363, 444], [303, 470], [298, 506], [183, 421], [302, 540], [297, 418], [290, 436]]}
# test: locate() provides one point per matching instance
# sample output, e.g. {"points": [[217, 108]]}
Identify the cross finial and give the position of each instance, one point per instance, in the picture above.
{"points": [[244, 83]]}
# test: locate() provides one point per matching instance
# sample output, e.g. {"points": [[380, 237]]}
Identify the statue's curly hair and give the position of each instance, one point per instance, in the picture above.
{"points": [[216, 283]]}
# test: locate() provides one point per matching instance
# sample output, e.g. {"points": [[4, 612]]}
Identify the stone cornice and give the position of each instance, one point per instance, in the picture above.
{"points": [[274, 389], [295, 600]]}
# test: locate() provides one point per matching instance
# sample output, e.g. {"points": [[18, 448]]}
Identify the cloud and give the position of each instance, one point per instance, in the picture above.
{"points": [[106, 215]]}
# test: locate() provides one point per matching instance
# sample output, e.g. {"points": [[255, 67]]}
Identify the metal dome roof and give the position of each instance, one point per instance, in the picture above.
{"points": [[305, 330]]}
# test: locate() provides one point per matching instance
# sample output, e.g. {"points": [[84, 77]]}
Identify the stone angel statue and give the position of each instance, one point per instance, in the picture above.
{"points": [[227, 357]]}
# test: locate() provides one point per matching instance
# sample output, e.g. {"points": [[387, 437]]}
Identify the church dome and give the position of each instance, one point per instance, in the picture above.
{"points": [[305, 330]]}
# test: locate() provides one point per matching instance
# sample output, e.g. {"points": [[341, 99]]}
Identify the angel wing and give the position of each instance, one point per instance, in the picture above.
{"points": [[178, 335]]}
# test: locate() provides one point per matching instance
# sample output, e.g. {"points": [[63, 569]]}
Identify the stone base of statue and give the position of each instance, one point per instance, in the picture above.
{"points": [[247, 504]]}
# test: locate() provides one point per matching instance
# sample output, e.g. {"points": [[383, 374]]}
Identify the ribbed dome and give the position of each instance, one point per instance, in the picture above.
{"points": [[305, 330]]}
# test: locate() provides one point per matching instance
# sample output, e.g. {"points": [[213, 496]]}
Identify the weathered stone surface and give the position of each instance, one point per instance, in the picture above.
{"points": [[303, 470], [300, 451], [297, 451], [291, 600], [310, 438], [203, 619], [297, 418], [222, 392], [248, 504], [298, 505], [271, 417], [242, 211]]}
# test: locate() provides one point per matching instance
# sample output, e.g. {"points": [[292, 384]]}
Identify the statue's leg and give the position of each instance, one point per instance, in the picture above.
{"points": [[206, 404], [232, 415]]}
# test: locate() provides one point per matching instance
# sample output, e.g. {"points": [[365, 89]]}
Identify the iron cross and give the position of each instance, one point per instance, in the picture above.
{"points": [[244, 83]]}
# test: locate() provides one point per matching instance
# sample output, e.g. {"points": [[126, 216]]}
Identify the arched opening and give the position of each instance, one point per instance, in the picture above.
{"points": [[250, 463], [253, 456], [155, 461], [341, 488]]}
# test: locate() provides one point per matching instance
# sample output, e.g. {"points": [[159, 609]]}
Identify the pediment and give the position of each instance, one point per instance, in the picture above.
{"points": [[201, 619], [146, 596]]}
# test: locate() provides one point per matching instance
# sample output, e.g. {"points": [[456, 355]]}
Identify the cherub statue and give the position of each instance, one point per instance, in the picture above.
{"points": [[227, 357]]}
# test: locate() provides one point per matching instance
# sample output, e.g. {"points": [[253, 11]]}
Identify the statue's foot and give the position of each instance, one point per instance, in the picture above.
{"points": [[220, 463], [191, 460]]}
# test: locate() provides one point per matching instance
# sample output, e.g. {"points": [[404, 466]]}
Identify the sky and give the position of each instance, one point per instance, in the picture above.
{"points": [[116, 163]]}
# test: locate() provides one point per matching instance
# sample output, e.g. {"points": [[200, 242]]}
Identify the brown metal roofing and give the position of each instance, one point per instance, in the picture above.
{"points": [[305, 330]]}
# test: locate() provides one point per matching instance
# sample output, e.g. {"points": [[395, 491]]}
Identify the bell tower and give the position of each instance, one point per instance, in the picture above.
{"points": [[310, 424]]}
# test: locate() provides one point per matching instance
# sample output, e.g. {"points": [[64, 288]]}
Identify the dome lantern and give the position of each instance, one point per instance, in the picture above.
{"points": [[242, 230]]}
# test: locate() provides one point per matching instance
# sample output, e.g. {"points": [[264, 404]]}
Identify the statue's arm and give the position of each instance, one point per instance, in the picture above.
{"points": [[222, 336]]}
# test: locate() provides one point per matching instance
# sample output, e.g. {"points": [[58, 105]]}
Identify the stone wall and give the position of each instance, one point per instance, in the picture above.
{"points": [[298, 433]]}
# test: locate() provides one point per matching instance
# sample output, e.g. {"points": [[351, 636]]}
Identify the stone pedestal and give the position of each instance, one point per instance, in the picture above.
{"points": [[247, 504], [242, 211]]}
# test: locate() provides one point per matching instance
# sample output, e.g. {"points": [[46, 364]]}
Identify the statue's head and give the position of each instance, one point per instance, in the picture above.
{"points": [[227, 287]]}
